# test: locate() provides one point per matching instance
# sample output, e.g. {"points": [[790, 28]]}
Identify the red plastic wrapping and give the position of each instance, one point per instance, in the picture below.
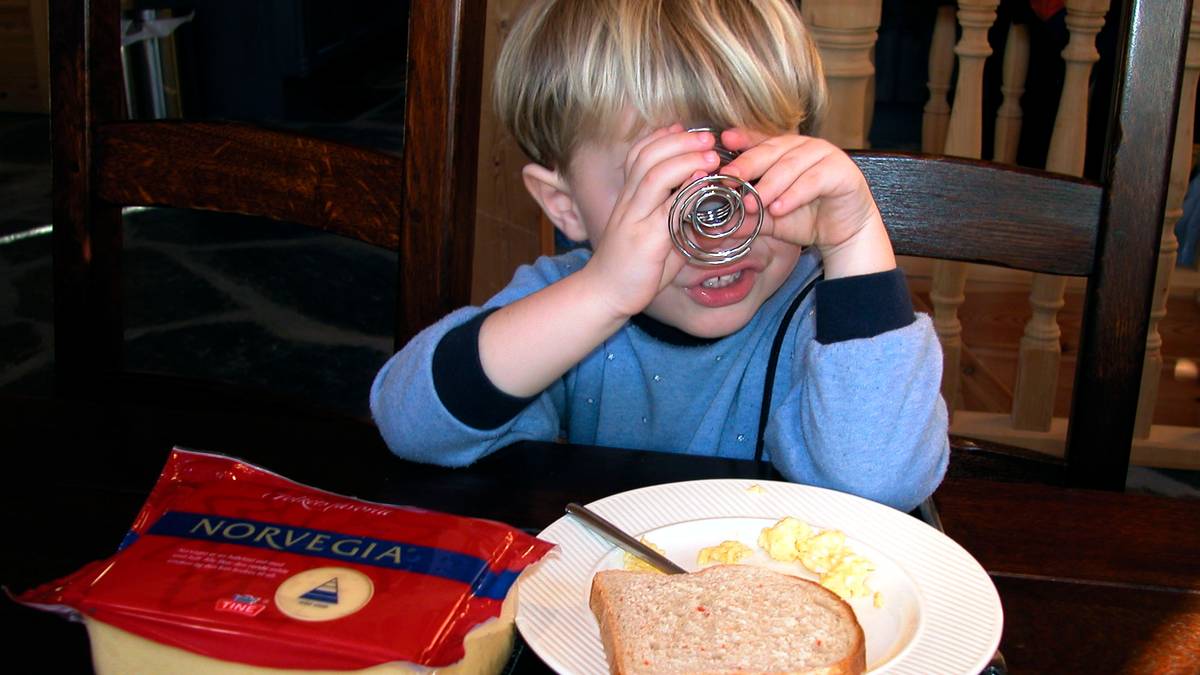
{"points": [[234, 562]]}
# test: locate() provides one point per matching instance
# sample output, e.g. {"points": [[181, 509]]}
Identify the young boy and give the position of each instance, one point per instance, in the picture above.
{"points": [[629, 344]]}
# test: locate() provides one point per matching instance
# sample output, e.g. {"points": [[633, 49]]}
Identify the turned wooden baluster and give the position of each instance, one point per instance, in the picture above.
{"points": [[1181, 165], [845, 32], [1040, 352], [1008, 116], [964, 138], [941, 68]]}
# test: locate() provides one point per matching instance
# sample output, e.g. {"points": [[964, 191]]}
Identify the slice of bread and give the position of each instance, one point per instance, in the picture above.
{"points": [[723, 620]]}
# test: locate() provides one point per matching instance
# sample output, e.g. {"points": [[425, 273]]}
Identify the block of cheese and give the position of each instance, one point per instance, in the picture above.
{"points": [[118, 652], [229, 568]]}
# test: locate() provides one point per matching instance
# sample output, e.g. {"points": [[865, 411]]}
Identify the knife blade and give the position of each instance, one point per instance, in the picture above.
{"points": [[622, 539]]}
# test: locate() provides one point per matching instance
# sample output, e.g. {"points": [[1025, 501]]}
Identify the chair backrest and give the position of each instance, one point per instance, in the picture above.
{"points": [[420, 204], [976, 211]]}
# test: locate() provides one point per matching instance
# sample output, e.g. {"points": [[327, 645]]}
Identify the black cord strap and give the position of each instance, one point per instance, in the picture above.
{"points": [[773, 362]]}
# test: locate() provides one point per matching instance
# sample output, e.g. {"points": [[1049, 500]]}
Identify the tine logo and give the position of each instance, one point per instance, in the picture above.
{"points": [[240, 603]]}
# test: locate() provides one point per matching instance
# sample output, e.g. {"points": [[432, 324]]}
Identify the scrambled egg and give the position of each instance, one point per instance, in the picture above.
{"points": [[822, 552], [825, 554], [636, 564], [780, 540], [756, 489], [727, 552], [848, 578]]}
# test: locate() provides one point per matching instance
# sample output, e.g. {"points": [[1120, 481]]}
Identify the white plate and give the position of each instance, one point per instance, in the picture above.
{"points": [[940, 613]]}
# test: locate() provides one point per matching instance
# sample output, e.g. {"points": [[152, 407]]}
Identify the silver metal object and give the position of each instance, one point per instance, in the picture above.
{"points": [[622, 539], [711, 209]]}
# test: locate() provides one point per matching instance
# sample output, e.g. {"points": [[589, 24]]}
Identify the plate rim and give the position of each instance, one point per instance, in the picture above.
{"points": [[914, 657]]}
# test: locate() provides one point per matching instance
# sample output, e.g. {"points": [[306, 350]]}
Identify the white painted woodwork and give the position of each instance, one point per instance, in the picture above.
{"points": [[964, 138], [1168, 447], [941, 67], [1008, 116], [845, 32], [1040, 352], [947, 293]]}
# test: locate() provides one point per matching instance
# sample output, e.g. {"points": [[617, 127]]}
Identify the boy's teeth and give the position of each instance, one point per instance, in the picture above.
{"points": [[721, 281]]}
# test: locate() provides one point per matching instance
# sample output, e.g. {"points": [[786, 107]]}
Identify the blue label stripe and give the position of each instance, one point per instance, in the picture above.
{"points": [[437, 562], [128, 540]]}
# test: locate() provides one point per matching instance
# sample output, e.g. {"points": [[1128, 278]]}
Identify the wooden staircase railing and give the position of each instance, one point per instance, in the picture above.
{"points": [[845, 32]]}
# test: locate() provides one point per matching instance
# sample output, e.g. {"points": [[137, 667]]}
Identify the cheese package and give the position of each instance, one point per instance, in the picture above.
{"points": [[229, 567]]}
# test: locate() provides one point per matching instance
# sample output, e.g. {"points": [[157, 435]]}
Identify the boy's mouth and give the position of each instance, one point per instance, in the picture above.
{"points": [[724, 289], [722, 281]]}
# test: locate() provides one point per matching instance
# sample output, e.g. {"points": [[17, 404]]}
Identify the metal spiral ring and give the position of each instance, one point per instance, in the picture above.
{"points": [[712, 208], [708, 209]]}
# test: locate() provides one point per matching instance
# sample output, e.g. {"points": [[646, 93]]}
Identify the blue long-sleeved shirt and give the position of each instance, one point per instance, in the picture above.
{"points": [[855, 404]]}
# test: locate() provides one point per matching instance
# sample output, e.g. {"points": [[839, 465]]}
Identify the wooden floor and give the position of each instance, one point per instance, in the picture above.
{"points": [[994, 317]]}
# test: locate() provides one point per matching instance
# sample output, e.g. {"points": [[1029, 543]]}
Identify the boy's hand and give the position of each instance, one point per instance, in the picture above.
{"points": [[634, 258], [815, 195]]}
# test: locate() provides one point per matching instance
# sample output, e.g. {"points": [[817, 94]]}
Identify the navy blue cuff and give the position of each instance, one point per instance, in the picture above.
{"points": [[462, 385], [862, 306]]}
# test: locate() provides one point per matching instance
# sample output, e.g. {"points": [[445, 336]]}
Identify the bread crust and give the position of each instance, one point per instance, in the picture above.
{"points": [[619, 654]]}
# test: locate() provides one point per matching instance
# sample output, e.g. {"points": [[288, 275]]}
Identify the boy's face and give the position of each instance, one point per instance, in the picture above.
{"points": [[702, 300]]}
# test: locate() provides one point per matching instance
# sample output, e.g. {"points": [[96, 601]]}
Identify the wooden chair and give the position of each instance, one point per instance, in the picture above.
{"points": [[420, 205], [976, 211]]}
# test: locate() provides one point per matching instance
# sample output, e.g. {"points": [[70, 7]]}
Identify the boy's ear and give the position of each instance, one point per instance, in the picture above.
{"points": [[552, 193]]}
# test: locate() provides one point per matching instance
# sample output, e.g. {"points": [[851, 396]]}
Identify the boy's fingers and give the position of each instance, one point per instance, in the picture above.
{"points": [[638, 146], [827, 179], [676, 154], [804, 190], [788, 170], [660, 180], [636, 149], [738, 138], [754, 161], [664, 147]]}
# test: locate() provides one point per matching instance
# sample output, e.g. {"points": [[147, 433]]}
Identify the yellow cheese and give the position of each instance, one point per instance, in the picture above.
{"points": [[119, 652]]}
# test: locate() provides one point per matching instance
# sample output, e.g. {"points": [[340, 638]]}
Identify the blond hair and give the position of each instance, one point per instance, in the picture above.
{"points": [[571, 68]]}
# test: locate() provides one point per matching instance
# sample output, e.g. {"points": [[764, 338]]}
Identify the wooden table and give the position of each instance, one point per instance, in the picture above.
{"points": [[1090, 582]]}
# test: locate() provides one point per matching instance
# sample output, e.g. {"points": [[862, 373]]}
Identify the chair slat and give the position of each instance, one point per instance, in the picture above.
{"points": [[233, 167], [960, 209]]}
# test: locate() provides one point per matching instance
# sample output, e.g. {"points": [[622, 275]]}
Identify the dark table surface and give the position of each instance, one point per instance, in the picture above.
{"points": [[1090, 581]]}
